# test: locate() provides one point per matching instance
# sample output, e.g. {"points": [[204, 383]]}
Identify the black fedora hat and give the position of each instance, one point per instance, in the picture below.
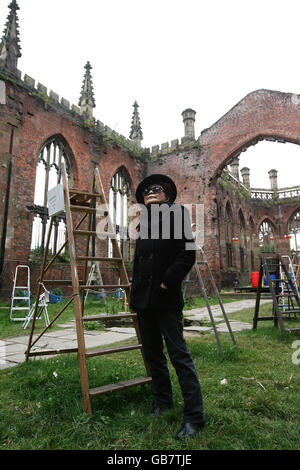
{"points": [[156, 179]]}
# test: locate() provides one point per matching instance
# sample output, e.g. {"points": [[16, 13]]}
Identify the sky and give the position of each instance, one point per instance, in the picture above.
{"points": [[168, 55]]}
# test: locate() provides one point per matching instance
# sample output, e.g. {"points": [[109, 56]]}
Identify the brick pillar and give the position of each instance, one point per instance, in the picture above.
{"points": [[189, 123], [234, 166], [245, 172]]}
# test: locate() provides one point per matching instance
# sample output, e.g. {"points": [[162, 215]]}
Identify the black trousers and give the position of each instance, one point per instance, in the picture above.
{"points": [[168, 325]]}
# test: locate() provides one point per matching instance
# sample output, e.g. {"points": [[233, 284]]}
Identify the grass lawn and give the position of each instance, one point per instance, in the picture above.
{"points": [[258, 408], [93, 306]]}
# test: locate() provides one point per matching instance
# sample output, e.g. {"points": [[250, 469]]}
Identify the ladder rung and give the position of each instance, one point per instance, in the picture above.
{"points": [[105, 286], [91, 233], [77, 192], [21, 298], [54, 351], [289, 311], [119, 386], [59, 282], [21, 287], [100, 352], [97, 258], [20, 308], [107, 316], [74, 208]]}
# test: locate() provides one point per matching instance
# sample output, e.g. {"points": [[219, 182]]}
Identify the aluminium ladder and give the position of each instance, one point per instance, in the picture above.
{"points": [[275, 287], [95, 271], [42, 309], [78, 201], [203, 261], [25, 297]]}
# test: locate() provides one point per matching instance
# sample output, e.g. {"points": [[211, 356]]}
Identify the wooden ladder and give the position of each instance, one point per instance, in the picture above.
{"points": [[276, 293], [84, 202]]}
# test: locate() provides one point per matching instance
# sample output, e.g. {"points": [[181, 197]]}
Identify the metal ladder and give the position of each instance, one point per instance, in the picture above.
{"points": [[42, 306], [78, 201], [95, 269], [203, 261], [275, 287], [16, 298]]}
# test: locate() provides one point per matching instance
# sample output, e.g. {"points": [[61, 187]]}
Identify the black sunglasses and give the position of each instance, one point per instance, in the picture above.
{"points": [[153, 189]]}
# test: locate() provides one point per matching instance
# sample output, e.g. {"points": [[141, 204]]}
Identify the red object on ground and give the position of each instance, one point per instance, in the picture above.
{"points": [[254, 278]]}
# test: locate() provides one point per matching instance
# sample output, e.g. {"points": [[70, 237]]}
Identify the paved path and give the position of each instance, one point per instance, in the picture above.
{"points": [[12, 349]]}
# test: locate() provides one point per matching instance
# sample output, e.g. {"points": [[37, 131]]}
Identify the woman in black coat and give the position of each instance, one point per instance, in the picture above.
{"points": [[164, 254]]}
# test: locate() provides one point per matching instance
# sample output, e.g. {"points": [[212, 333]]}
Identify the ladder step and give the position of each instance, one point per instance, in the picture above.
{"points": [[289, 311], [108, 316], [100, 352], [97, 258], [77, 192], [75, 208], [119, 386], [20, 308], [52, 352], [91, 233], [59, 282], [105, 286], [21, 287], [21, 298]]}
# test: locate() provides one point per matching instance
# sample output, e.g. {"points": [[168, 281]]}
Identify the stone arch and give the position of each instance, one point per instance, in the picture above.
{"points": [[261, 115], [267, 235]]}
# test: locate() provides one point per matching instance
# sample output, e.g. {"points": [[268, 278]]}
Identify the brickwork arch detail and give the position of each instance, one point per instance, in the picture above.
{"points": [[261, 115]]}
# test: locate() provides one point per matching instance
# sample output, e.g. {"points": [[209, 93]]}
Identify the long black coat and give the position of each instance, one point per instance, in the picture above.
{"points": [[159, 261]]}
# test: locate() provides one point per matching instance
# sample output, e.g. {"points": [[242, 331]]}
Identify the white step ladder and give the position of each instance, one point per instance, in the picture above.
{"points": [[42, 309], [95, 275], [16, 298]]}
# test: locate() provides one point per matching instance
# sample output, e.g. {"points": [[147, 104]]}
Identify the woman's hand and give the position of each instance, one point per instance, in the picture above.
{"points": [[163, 286]]}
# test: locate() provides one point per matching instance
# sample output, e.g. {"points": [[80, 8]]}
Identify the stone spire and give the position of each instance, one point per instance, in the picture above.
{"points": [[136, 129], [10, 49], [87, 100]]}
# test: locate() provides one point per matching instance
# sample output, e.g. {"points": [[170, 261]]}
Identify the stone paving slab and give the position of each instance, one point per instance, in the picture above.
{"points": [[235, 326], [12, 349]]}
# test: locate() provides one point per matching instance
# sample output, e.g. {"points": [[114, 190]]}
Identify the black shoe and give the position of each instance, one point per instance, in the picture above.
{"points": [[188, 430], [158, 409]]}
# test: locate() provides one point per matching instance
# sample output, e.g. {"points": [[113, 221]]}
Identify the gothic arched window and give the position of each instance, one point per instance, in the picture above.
{"points": [[267, 236], [242, 239], [50, 158], [228, 234], [294, 230], [120, 190]]}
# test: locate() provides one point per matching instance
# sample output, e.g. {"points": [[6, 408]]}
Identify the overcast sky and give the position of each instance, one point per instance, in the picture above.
{"points": [[168, 55]]}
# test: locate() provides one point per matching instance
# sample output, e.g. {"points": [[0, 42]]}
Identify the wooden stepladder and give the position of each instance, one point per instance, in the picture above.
{"points": [[283, 290], [202, 260], [78, 201]]}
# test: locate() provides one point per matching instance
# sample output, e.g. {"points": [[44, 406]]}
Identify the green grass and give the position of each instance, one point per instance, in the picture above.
{"points": [[257, 409], [93, 306]]}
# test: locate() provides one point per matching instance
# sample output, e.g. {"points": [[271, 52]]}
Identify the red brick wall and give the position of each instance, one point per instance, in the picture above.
{"points": [[261, 114]]}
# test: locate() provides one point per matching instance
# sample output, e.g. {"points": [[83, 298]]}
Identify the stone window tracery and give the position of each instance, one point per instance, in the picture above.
{"points": [[119, 194], [50, 158], [267, 236]]}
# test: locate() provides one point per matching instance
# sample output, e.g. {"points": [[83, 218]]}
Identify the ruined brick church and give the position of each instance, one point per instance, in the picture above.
{"points": [[39, 130]]}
